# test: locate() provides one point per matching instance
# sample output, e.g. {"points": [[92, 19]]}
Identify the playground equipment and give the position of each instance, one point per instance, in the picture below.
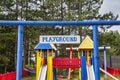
{"points": [[42, 73], [85, 49], [105, 60], [45, 54], [69, 71], [43, 50], [21, 25]]}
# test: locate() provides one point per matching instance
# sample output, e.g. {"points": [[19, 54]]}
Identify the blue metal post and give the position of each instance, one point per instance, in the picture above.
{"points": [[95, 53], [19, 52], [105, 68]]}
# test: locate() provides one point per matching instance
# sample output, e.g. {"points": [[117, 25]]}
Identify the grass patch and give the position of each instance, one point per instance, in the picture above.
{"points": [[73, 77], [102, 77], [29, 77]]}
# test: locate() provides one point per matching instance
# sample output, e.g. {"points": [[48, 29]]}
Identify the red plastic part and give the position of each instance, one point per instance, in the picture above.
{"points": [[66, 63]]}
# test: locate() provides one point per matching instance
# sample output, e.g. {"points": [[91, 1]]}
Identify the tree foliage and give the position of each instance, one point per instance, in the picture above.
{"points": [[111, 39]]}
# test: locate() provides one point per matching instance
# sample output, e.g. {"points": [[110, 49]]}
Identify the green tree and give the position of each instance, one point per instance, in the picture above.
{"points": [[111, 39], [7, 48]]}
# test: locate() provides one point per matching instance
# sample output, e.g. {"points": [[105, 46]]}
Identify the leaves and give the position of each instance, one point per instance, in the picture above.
{"points": [[111, 39]]}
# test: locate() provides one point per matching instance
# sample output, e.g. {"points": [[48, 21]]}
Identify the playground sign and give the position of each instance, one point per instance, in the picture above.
{"points": [[61, 39]]}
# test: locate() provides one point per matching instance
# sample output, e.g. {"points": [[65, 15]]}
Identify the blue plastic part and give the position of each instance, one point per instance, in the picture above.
{"points": [[105, 63], [83, 68], [30, 71], [93, 58], [95, 53], [80, 53], [53, 23], [54, 70], [54, 74], [45, 57], [19, 52], [43, 46]]}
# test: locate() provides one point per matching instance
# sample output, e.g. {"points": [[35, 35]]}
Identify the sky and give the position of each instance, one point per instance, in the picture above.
{"points": [[114, 7]]}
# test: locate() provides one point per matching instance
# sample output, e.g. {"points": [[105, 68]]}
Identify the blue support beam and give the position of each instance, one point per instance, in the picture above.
{"points": [[105, 62], [96, 53], [53, 23], [19, 52], [60, 23]]}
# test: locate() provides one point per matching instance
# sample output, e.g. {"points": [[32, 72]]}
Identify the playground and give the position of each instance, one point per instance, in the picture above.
{"points": [[85, 66], [59, 40]]}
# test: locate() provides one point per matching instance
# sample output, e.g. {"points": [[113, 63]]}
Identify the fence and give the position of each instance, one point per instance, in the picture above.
{"points": [[114, 71], [11, 75], [112, 61]]}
